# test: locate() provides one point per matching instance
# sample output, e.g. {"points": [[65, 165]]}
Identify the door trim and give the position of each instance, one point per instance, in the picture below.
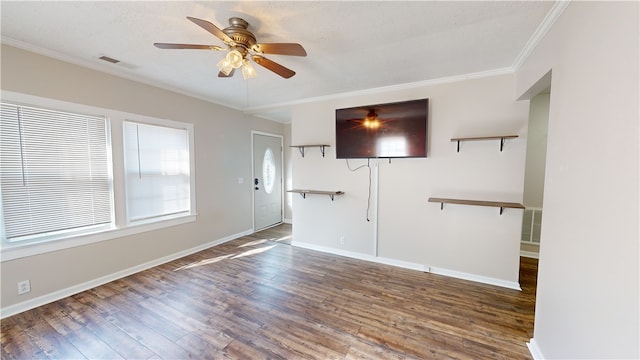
{"points": [[253, 176]]}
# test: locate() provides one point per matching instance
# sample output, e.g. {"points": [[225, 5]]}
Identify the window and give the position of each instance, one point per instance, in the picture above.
{"points": [[55, 175], [63, 185], [157, 171]]}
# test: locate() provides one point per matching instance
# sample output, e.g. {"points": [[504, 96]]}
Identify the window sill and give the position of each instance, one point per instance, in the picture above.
{"points": [[13, 251]]}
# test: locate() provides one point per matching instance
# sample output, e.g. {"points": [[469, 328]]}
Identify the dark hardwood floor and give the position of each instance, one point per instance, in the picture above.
{"points": [[257, 297]]}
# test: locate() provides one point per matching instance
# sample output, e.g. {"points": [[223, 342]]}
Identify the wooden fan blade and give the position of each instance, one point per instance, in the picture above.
{"points": [[222, 75], [280, 48], [273, 66], [186, 46], [212, 29]]}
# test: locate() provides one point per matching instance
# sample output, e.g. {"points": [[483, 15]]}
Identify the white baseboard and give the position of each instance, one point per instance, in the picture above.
{"points": [[61, 294], [535, 350], [477, 278], [529, 254], [288, 221], [402, 264], [333, 251], [412, 266]]}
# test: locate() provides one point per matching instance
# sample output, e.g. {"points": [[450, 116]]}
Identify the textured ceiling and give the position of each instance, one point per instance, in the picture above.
{"points": [[351, 46]]}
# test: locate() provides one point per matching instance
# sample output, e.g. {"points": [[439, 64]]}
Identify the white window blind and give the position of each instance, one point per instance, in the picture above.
{"points": [[55, 171], [157, 171]]}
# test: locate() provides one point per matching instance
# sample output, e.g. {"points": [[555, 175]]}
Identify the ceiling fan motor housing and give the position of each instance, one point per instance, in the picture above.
{"points": [[243, 38]]}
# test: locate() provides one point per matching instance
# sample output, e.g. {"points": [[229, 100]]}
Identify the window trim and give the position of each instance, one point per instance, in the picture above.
{"points": [[41, 247], [120, 227]]}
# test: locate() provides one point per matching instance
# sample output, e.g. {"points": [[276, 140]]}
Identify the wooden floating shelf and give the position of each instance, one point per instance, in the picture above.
{"points": [[304, 193], [502, 139], [301, 148], [499, 204]]}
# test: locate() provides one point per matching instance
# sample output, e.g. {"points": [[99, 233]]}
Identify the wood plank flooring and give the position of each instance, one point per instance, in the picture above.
{"points": [[259, 298]]}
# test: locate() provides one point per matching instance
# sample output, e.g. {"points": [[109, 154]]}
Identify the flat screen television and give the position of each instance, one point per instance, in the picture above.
{"points": [[394, 130]]}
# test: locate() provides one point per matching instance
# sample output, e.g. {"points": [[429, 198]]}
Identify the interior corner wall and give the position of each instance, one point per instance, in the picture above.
{"points": [[222, 156], [588, 304], [403, 228], [536, 151]]}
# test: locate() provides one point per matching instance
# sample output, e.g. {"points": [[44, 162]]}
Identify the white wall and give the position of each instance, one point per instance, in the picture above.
{"points": [[588, 284], [465, 241], [222, 155], [536, 151]]}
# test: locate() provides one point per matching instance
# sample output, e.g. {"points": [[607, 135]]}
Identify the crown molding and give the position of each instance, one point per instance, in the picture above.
{"points": [[552, 16], [264, 110], [111, 69], [542, 29], [382, 89]]}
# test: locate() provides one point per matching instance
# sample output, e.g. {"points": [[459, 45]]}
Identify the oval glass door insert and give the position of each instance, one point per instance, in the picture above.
{"points": [[268, 170]]}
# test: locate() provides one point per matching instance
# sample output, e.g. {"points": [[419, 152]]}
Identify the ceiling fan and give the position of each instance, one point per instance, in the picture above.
{"points": [[241, 45]]}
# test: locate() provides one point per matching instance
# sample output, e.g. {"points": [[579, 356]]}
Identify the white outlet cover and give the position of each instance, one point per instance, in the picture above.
{"points": [[24, 287]]}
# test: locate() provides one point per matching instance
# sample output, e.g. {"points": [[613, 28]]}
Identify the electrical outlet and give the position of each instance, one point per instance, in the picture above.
{"points": [[342, 240], [24, 287]]}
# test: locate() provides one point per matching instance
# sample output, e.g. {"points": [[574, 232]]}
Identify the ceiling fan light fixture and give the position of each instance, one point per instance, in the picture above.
{"points": [[234, 58], [248, 71], [224, 66]]}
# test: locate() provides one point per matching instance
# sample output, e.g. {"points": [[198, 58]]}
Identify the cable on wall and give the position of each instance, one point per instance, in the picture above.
{"points": [[367, 165]]}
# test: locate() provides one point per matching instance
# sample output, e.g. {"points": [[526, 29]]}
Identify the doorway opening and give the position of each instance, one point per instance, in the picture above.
{"points": [[535, 173]]}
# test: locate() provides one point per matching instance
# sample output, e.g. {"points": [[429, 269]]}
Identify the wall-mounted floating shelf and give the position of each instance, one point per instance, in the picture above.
{"points": [[499, 204], [301, 148], [317, 192], [502, 138]]}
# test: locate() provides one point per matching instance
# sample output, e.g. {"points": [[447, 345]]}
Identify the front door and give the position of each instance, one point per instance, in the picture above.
{"points": [[267, 180]]}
